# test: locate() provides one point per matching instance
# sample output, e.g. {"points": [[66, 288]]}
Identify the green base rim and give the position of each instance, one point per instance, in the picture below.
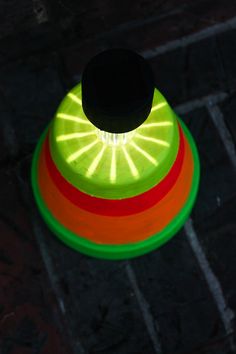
{"points": [[124, 251]]}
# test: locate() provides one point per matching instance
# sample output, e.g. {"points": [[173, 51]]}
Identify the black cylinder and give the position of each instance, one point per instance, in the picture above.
{"points": [[117, 90]]}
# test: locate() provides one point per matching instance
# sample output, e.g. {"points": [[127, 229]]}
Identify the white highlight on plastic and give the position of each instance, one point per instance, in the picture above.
{"points": [[113, 166], [153, 125], [153, 140], [72, 136], [80, 152], [144, 153], [95, 162], [158, 106], [73, 118], [75, 98], [131, 164], [115, 139]]}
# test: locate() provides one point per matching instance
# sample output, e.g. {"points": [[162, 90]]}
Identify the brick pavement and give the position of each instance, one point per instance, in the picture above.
{"points": [[179, 299]]}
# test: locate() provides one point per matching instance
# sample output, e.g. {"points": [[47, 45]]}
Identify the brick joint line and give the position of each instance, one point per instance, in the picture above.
{"points": [[225, 135], [151, 325], [191, 38], [191, 105], [210, 102], [47, 259], [226, 314]]}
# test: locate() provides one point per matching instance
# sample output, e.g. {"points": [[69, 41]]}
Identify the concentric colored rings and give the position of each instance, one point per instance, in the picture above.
{"points": [[117, 207], [116, 237]]}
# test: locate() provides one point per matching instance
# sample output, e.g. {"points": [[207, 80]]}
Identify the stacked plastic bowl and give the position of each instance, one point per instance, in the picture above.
{"points": [[115, 196]]}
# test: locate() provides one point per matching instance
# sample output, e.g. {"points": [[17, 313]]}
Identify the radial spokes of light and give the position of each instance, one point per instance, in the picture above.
{"points": [[115, 143]]}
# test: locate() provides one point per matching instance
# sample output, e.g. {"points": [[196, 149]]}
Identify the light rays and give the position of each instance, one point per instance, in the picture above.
{"points": [[72, 136], [132, 167], [153, 140], [144, 153], [95, 162], [117, 145], [81, 151], [153, 125], [74, 98], [73, 118], [113, 166], [158, 106]]}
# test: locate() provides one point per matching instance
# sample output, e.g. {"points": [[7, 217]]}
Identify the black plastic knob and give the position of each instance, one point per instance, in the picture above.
{"points": [[117, 90]]}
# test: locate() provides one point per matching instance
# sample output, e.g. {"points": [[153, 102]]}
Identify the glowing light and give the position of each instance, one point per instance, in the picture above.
{"points": [[158, 106], [74, 136], [115, 139], [131, 164], [113, 166], [80, 152], [144, 153], [153, 140], [153, 125], [75, 98], [73, 118], [95, 162]]}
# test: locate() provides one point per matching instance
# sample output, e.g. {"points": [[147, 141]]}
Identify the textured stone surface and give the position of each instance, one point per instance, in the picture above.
{"points": [[41, 39], [30, 320], [32, 91], [183, 74], [177, 18], [100, 310], [218, 237], [28, 311], [108, 318], [16, 16], [228, 108], [217, 184], [103, 311], [178, 296], [191, 72], [227, 58]]}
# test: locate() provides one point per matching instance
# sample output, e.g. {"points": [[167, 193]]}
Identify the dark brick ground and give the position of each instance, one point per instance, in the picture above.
{"points": [[228, 108], [28, 311], [199, 69], [217, 185], [38, 62], [173, 285]]}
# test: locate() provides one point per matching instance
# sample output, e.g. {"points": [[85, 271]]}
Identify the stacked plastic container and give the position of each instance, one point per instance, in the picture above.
{"points": [[118, 195]]}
